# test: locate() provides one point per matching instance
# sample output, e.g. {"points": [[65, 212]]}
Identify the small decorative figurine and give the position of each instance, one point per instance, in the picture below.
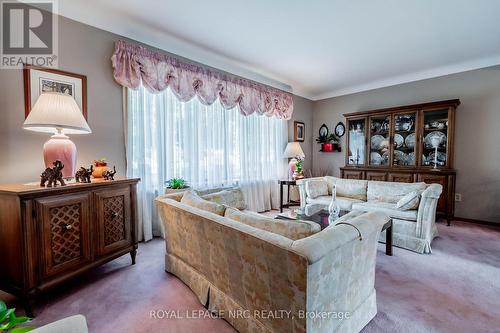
{"points": [[83, 175], [53, 175], [100, 166], [109, 175]]}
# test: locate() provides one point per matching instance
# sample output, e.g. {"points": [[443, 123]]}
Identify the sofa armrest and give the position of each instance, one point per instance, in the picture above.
{"points": [[73, 324], [426, 217], [326, 242], [301, 183]]}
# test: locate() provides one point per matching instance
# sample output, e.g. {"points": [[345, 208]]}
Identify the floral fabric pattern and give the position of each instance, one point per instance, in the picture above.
{"points": [[230, 197], [192, 199], [133, 64]]}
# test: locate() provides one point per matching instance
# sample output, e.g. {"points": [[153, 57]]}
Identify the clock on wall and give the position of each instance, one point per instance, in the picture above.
{"points": [[340, 129]]}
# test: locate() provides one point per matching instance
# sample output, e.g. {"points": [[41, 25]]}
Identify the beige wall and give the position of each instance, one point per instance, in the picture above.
{"points": [[84, 50], [477, 152], [302, 111]]}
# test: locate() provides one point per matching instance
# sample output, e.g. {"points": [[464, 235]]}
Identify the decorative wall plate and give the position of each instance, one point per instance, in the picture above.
{"points": [[410, 141], [400, 157], [375, 158], [340, 129], [323, 130], [398, 140], [376, 141], [436, 135]]}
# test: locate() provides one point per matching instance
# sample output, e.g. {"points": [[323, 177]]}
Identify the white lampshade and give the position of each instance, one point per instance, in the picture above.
{"points": [[292, 150], [53, 111]]}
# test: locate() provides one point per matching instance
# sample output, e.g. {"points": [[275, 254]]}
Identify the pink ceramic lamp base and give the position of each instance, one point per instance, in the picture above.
{"points": [[60, 147]]}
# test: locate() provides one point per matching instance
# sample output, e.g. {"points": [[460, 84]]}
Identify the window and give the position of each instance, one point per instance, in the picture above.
{"points": [[209, 146]]}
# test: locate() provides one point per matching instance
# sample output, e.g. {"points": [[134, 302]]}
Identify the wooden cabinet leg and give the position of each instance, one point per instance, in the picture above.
{"points": [[28, 303], [132, 255], [448, 221]]}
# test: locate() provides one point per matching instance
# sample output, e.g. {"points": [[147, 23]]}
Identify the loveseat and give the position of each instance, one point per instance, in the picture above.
{"points": [[268, 275], [414, 226]]}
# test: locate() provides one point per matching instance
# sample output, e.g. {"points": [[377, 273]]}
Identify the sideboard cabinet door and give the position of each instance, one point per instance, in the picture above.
{"points": [[65, 228], [113, 220]]}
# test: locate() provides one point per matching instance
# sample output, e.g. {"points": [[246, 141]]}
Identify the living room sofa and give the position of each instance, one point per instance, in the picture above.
{"points": [[262, 279], [413, 229]]}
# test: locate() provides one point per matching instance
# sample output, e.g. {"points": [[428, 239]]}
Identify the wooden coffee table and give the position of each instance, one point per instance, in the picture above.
{"points": [[321, 217]]}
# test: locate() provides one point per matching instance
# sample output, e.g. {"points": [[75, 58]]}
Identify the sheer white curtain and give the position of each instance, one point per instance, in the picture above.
{"points": [[208, 146]]}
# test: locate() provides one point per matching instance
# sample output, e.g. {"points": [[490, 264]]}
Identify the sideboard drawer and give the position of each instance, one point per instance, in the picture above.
{"points": [[113, 220], [65, 223]]}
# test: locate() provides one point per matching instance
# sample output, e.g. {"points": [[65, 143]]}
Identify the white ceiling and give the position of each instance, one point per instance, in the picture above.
{"points": [[316, 49]]}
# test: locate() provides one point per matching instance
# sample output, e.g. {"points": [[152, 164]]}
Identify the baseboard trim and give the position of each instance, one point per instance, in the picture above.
{"points": [[465, 219]]}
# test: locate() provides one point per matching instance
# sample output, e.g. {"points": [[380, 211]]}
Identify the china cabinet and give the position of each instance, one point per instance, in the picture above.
{"points": [[410, 143]]}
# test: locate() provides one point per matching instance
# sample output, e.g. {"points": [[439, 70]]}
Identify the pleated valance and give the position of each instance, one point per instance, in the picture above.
{"points": [[133, 63]]}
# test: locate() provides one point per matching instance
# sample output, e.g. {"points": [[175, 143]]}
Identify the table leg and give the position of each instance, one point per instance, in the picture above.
{"points": [[281, 198], [388, 240], [288, 196]]}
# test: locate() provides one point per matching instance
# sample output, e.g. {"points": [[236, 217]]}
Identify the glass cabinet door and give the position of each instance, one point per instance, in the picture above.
{"points": [[405, 139], [435, 138], [379, 140], [357, 141]]}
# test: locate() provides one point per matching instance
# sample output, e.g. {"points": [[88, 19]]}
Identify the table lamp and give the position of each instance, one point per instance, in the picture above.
{"points": [[59, 114], [292, 151]]}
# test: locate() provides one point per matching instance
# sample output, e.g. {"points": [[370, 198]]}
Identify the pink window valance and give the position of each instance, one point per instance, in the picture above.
{"points": [[133, 64]]}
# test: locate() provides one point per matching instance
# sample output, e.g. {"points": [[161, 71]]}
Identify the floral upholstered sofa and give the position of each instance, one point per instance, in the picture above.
{"points": [[268, 275], [412, 206]]}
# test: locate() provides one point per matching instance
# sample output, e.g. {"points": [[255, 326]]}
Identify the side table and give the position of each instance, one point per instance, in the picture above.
{"points": [[282, 183]]}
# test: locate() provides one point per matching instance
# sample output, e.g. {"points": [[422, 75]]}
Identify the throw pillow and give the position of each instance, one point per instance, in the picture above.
{"points": [[409, 201], [191, 198], [290, 229], [230, 197], [316, 188]]}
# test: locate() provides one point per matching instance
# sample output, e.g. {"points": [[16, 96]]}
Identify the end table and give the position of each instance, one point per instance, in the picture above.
{"points": [[282, 183]]}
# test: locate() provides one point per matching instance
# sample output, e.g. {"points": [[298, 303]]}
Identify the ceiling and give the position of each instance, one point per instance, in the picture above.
{"points": [[315, 49]]}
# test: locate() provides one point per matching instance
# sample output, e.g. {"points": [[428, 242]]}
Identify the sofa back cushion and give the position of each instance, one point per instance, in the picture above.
{"points": [[392, 192], [191, 198], [231, 197], [316, 188], [290, 229], [348, 188]]}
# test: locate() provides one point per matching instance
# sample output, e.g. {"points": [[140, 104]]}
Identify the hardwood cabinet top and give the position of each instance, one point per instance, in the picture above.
{"points": [[35, 188]]}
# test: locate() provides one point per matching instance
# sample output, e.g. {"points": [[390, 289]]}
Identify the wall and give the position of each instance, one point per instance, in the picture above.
{"points": [[303, 112], [85, 50], [477, 156]]}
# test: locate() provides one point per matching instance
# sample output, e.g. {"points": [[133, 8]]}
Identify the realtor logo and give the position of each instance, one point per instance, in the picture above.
{"points": [[29, 33]]}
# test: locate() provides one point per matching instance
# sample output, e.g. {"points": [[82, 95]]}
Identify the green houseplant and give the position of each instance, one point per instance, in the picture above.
{"points": [[175, 185], [9, 320]]}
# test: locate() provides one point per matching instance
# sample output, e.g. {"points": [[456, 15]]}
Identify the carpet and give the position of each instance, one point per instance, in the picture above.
{"points": [[454, 289]]}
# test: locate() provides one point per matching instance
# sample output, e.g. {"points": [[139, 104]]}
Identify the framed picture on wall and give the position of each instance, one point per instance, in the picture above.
{"points": [[38, 80], [299, 131]]}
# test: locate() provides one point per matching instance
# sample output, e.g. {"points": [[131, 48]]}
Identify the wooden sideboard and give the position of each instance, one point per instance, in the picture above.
{"points": [[402, 144], [49, 235]]}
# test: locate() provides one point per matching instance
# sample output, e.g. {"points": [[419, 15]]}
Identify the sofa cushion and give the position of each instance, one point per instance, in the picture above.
{"points": [[316, 188], [348, 188], [344, 203], [387, 208], [409, 201], [191, 198], [230, 197], [290, 229], [392, 192]]}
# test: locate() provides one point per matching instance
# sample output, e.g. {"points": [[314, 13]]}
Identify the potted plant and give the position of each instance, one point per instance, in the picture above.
{"points": [[9, 320], [99, 167], [175, 185], [323, 140], [298, 173], [334, 140]]}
